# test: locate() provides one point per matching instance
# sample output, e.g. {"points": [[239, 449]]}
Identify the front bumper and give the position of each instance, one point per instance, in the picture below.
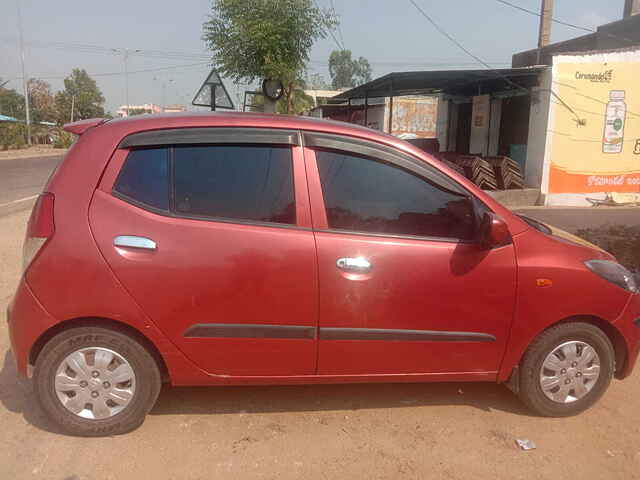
{"points": [[28, 320]]}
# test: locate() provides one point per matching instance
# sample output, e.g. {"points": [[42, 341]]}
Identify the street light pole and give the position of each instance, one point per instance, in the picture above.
{"points": [[126, 80], [164, 84], [125, 55], [24, 76]]}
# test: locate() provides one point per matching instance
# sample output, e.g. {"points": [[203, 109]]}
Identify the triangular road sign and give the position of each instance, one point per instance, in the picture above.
{"points": [[213, 87]]}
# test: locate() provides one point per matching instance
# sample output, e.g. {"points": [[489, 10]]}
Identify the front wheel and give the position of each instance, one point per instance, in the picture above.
{"points": [[95, 381], [566, 369]]}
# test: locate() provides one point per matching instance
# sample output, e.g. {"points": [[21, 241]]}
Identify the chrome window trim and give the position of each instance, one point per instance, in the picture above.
{"points": [[396, 236]]}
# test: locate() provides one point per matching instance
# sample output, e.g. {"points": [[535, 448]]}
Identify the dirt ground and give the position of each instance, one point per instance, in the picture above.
{"points": [[444, 431]]}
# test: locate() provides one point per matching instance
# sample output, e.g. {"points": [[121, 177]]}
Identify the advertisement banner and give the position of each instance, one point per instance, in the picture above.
{"points": [[593, 142], [415, 115]]}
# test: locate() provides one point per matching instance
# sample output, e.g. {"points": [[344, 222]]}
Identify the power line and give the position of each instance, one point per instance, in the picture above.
{"points": [[478, 59], [340, 47], [566, 24], [103, 50], [462, 47], [537, 14], [333, 7], [415, 64], [108, 74]]}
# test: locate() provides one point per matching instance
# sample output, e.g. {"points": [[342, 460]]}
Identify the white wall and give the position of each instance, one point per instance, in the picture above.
{"points": [[480, 124], [376, 115], [494, 126], [442, 122], [453, 111], [537, 140]]}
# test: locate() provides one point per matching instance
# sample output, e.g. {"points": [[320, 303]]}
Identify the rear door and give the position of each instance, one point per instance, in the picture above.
{"points": [[209, 231]]}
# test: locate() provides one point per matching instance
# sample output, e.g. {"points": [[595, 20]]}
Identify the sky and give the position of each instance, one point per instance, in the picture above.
{"points": [[172, 61]]}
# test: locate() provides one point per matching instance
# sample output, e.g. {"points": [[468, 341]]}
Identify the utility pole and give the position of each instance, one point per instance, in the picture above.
{"points": [[125, 56], [73, 100], [544, 34], [631, 7], [164, 84], [24, 76]]}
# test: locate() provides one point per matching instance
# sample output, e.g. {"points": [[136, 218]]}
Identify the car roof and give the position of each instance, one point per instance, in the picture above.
{"points": [[121, 127], [242, 118]]}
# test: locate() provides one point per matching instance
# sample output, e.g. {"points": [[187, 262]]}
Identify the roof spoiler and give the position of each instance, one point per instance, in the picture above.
{"points": [[82, 126]]}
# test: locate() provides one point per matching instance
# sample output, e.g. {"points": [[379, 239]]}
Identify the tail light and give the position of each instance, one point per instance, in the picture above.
{"points": [[39, 229]]}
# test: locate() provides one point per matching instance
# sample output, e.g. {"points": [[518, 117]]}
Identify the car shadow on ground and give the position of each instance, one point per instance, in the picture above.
{"points": [[16, 395], [323, 398]]}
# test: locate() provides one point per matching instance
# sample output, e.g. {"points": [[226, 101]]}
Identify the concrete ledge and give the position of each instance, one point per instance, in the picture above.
{"points": [[17, 205], [516, 198], [573, 219]]}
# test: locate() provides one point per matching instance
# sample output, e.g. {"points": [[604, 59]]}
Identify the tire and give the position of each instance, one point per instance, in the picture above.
{"points": [[133, 370], [568, 335]]}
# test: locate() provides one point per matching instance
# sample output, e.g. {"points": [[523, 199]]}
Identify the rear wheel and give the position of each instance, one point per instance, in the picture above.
{"points": [[95, 381], [566, 369]]}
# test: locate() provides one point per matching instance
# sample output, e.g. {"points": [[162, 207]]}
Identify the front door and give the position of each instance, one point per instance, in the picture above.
{"points": [[213, 242], [403, 287]]}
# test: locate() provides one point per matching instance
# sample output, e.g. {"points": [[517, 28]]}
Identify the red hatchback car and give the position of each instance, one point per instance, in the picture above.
{"points": [[237, 249]]}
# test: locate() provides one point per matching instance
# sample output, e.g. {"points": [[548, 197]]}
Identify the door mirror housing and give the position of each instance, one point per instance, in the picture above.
{"points": [[493, 232]]}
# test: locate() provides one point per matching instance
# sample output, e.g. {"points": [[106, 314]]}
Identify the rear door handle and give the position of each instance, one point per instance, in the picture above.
{"points": [[131, 241], [351, 264]]}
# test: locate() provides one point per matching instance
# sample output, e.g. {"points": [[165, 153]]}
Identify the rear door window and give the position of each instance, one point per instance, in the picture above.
{"points": [[243, 182]]}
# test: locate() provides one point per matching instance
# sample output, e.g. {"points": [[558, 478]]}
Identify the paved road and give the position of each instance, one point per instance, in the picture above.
{"points": [[23, 178]]}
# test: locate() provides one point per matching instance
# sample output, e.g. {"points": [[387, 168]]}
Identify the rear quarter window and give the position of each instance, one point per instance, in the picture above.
{"points": [[144, 177]]}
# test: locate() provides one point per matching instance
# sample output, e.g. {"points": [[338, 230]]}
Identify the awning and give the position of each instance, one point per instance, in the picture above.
{"points": [[451, 82]]}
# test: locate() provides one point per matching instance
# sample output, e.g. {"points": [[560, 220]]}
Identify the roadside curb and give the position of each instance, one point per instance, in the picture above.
{"points": [[17, 205], [57, 153]]}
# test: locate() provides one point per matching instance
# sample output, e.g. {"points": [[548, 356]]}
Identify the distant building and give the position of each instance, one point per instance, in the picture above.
{"points": [[175, 108], [145, 109]]}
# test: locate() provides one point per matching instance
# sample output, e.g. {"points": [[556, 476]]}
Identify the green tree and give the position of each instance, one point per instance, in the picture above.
{"points": [[137, 111], [298, 103], [11, 102], [82, 93], [256, 39], [347, 72], [41, 102], [316, 81]]}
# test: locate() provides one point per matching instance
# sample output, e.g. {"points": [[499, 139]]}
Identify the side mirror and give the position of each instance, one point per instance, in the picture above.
{"points": [[493, 232]]}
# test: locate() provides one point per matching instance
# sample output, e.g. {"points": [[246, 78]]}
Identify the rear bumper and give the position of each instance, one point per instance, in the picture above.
{"points": [[27, 321], [629, 326]]}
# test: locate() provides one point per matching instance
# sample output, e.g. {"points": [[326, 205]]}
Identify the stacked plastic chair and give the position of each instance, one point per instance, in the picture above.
{"points": [[507, 172]]}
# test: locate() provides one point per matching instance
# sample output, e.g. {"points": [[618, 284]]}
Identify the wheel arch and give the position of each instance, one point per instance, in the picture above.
{"points": [[121, 327], [610, 330]]}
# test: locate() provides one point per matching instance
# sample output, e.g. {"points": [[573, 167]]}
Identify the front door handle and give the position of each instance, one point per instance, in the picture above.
{"points": [[356, 265], [131, 241]]}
